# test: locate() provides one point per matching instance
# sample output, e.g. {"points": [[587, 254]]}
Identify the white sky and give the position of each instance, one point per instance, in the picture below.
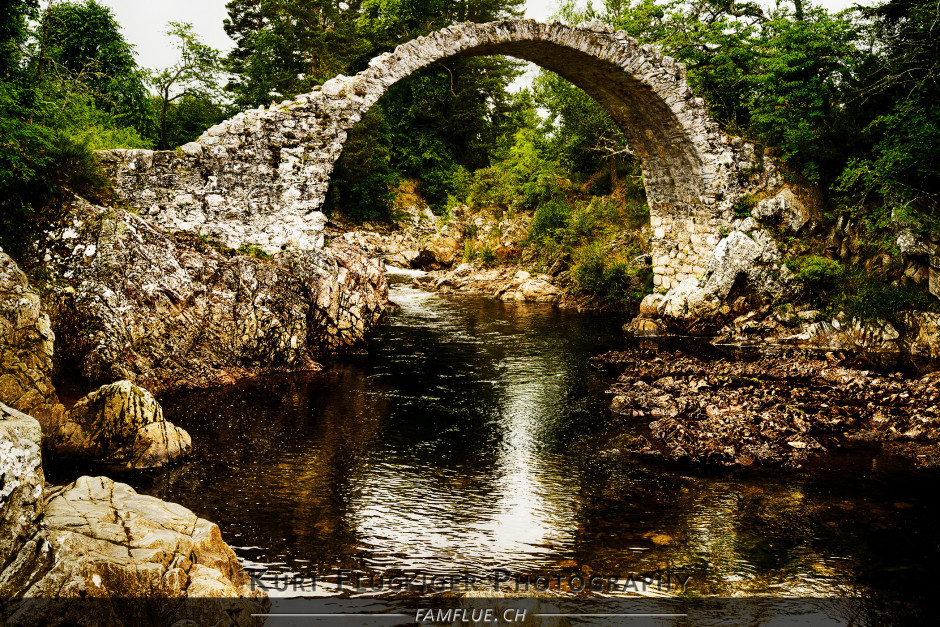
{"points": [[144, 22]]}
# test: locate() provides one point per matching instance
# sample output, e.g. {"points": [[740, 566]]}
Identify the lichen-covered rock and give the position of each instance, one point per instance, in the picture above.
{"points": [[525, 287], [439, 252], [921, 333], [120, 424], [97, 553], [21, 480], [784, 210], [106, 555], [128, 301], [26, 348], [916, 246], [745, 271]]}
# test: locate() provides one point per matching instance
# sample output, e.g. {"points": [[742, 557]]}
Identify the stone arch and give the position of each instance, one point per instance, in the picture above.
{"points": [[262, 176]]}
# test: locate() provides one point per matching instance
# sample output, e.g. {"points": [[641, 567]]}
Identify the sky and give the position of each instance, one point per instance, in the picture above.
{"points": [[144, 22]]}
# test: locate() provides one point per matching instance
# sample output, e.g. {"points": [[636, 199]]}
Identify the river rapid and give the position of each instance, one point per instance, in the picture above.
{"points": [[471, 437]]}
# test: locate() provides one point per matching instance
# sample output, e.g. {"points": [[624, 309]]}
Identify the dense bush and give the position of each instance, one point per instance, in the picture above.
{"points": [[607, 278], [363, 180]]}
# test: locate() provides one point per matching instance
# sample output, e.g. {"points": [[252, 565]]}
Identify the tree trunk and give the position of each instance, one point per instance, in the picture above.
{"points": [[42, 43]]}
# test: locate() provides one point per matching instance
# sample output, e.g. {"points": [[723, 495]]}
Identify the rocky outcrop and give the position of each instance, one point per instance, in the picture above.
{"points": [[106, 555], [120, 424], [128, 301], [26, 347], [400, 248], [97, 553], [440, 251], [922, 256], [506, 283], [744, 272], [784, 210], [21, 481], [769, 410]]}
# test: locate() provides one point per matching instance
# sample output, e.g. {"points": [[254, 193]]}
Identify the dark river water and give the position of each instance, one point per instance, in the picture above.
{"points": [[471, 438]]}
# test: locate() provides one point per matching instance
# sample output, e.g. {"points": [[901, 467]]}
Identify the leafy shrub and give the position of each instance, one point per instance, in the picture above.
{"points": [[875, 298], [817, 272], [523, 178], [609, 279], [39, 170], [742, 208], [253, 251], [549, 218]]}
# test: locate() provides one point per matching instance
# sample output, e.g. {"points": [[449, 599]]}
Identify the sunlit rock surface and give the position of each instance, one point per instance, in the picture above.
{"points": [[129, 301], [26, 347], [120, 424], [97, 553]]}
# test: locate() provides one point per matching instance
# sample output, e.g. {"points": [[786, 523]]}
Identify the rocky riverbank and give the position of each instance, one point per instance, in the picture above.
{"points": [[168, 312], [97, 553], [116, 301], [768, 410]]}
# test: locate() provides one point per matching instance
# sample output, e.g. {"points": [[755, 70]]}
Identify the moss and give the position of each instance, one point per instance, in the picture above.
{"points": [[253, 251], [744, 205]]}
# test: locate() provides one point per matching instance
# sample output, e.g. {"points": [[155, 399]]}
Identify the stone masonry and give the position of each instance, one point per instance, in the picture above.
{"points": [[261, 177]]}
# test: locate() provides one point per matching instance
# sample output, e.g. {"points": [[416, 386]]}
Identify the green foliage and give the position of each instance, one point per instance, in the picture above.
{"points": [[550, 218], [14, 17], [188, 90], [875, 298], [523, 177], [39, 169], [580, 132], [363, 180], [186, 118], [81, 42], [485, 253], [797, 86], [895, 174], [253, 251], [743, 206], [817, 272], [610, 280], [73, 111], [284, 48]]}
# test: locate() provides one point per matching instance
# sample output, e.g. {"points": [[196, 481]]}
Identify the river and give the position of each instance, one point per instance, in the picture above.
{"points": [[471, 438]]}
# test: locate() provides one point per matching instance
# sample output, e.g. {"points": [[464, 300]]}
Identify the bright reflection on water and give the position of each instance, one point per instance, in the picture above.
{"points": [[470, 438]]}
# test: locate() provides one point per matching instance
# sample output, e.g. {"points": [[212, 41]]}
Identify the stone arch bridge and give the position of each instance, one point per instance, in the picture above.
{"points": [[261, 177]]}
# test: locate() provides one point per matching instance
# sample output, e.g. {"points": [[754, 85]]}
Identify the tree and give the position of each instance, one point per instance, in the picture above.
{"points": [[283, 48], [581, 132], [363, 178], [14, 17], [895, 174], [82, 43], [446, 118], [193, 80]]}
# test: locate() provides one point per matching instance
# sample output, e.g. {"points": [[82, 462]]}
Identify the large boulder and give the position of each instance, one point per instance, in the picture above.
{"points": [[26, 345], [22, 480], [120, 424], [784, 210], [745, 271], [525, 287], [106, 555], [128, 301], [97, 553], [440, 251]]}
